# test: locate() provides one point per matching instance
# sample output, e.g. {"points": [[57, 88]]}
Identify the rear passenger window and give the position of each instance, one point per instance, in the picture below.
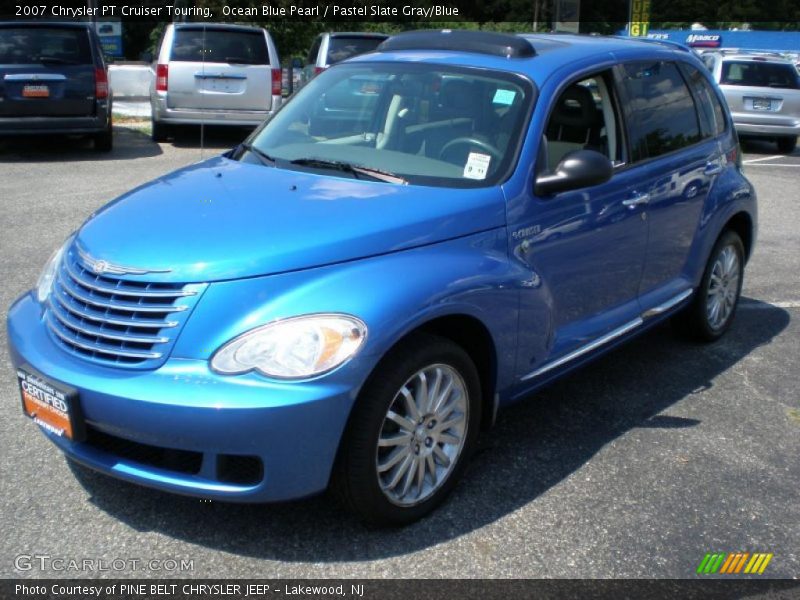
{"points": [[664, 115], [203, 44], [712, 116]]}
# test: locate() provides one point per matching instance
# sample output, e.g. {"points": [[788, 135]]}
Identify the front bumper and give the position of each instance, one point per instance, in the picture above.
{"points": [[293, 429]]}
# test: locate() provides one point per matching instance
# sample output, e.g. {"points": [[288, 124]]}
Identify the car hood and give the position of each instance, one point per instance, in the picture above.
{"points": [[222, 219]]}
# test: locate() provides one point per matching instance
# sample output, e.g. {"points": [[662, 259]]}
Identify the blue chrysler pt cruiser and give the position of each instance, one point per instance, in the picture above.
{"points": [[423, 234]]}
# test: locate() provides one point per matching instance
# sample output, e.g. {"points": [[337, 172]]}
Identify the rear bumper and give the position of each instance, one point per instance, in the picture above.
{"points": [[195, 116], [56, 125], [765, 125]]}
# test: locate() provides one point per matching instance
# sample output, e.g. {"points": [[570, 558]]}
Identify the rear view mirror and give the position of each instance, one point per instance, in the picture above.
{"points": [[577, 169]]}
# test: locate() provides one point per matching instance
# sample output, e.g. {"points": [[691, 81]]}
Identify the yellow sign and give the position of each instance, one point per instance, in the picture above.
{"points": [[639, 21]]}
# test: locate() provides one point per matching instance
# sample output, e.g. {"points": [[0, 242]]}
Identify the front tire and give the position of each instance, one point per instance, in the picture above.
{"points": [[411, 433], [713, 308]]}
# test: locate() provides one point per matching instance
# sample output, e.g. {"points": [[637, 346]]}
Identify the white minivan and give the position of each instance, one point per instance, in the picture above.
{"points": [[214, 74]]}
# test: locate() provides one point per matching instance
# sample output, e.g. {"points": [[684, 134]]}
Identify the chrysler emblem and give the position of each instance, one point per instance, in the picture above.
{"points": [[99, 266]]}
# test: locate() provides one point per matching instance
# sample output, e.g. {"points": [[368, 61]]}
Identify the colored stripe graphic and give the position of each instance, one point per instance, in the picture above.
{"points": [[730, 563]]}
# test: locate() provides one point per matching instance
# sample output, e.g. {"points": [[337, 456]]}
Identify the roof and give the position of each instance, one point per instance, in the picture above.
{"points": [[552, 52], [371, 34]]}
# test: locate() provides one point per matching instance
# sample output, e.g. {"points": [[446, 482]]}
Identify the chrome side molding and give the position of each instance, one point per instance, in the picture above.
{"points": [[611, 335], [662, 308]]}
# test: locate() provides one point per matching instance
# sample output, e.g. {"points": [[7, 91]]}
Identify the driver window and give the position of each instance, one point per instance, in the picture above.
{"points": [[583, 117]]}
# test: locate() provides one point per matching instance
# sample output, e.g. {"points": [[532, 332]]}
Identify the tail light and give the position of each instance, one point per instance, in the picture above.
{"points": [[100, 83], [318, 70], [162, 78], [277, 85], [734, 155]]}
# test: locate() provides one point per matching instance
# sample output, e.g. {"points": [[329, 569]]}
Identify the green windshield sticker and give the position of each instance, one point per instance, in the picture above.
{"points": [[505, 97]]}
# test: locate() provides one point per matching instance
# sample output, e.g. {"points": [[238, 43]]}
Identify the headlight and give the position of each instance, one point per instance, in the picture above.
{"points": [[45, 283], [293, 348]]}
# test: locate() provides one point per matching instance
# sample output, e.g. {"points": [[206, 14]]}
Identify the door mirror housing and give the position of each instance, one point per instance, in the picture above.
{"points": [[578, 169]]}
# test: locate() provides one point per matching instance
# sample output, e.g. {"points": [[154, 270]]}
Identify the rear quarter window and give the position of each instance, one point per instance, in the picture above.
{"points": [[712, 115], [220, 46], [759, 74], [46, 45], [663, 112]]}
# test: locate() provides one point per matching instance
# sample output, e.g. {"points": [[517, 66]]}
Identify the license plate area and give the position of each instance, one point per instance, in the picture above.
{"points": [[762, 104], [35, 91], [53, 406]]}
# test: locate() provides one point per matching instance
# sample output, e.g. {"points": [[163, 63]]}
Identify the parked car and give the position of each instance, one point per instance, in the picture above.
{"points": [[349, 296], [763, 93], [333, 47], [214, 74], [54, 80]]}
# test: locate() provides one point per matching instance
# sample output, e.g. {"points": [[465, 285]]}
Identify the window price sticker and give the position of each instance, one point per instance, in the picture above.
{"points": [[477, 166]]}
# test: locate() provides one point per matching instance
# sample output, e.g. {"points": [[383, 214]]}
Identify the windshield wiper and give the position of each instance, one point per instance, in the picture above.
{"points": [[355, 170], [265, 158]]}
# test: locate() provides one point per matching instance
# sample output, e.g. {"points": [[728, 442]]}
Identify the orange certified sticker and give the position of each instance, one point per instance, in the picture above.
{"points": [[46, 405]]}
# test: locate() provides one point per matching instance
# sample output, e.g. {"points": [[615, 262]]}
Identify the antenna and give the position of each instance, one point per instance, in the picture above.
{"points": [[202, 108]]}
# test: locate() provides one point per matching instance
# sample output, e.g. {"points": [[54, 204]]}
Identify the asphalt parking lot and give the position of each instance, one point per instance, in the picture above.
{"points": [[634, 467]]}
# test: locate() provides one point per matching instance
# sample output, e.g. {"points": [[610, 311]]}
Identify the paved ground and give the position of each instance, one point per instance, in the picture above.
{"points": [[634, 467]]}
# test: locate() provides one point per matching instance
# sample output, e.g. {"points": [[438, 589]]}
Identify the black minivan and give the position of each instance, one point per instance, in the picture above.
{"points": [[54, 80]]}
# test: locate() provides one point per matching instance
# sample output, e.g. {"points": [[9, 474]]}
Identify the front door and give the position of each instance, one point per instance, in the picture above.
{"points": [[584, 249]]}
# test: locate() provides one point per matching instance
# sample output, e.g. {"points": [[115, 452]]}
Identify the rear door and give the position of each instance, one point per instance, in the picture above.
{"points": [[219, 69], [46, 71], [676, 158]]}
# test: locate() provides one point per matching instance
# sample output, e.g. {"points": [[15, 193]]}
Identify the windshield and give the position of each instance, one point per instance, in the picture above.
{"points": [[759, 74], [62, 45], [425, 124]]}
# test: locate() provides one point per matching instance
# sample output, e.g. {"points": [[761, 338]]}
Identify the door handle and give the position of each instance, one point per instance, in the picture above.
{"points": [[636, 200], [713, 167]]}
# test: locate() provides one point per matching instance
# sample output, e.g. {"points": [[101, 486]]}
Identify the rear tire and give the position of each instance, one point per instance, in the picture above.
{"points": [[104, 142], [159, 131], [425, 392], [786, 145], [713, 307]]}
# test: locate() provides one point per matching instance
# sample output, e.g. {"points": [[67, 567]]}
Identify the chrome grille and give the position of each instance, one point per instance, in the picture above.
{"points": [[117, 320]]}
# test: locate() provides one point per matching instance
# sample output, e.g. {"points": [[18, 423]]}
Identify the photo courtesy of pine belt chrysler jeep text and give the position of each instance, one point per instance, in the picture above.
{"points": [[423, 234]]}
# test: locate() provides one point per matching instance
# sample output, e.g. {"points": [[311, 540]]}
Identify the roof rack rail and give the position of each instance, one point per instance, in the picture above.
{"points": [[482, 42]]}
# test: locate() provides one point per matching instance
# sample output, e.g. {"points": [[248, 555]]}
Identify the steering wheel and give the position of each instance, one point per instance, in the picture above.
{"points": [[470, 141]]}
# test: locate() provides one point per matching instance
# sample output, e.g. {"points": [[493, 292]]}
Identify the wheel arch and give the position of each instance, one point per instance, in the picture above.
{"points": [[742, 224]]}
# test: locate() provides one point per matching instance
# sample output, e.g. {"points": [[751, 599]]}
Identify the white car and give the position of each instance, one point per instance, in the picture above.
{"points": [[214, 74], [763, 94]]}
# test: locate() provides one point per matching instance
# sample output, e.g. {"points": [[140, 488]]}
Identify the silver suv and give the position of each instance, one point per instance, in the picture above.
{"points": [[214, 74], [763, 93]]}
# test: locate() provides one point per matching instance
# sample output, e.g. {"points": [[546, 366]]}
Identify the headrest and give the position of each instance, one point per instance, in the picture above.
{"points": [[576, 107]]}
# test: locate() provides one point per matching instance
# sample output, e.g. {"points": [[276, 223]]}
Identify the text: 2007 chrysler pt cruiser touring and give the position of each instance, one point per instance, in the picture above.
{"points": [[423, 234]]}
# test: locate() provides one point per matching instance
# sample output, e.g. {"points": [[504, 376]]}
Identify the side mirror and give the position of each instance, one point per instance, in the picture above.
{"points": [[577, 169]]}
